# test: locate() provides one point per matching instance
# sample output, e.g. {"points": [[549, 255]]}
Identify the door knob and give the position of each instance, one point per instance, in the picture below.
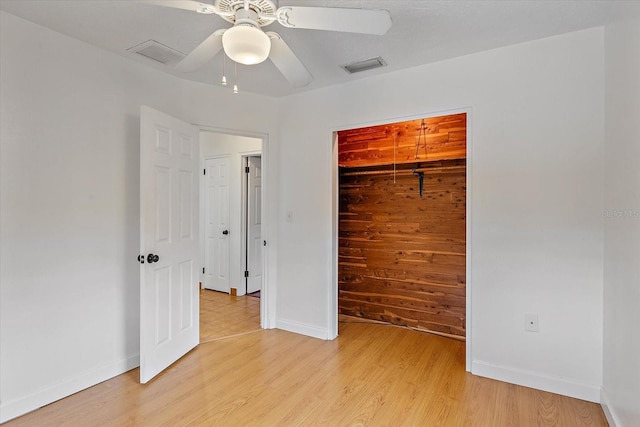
{"points": [[151, 258], [225, 232]]}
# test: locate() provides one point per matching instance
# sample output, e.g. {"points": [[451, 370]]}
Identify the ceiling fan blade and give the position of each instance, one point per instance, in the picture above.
{"points": [[364, 21], [287, 62], [194, 6], [203, 53]]}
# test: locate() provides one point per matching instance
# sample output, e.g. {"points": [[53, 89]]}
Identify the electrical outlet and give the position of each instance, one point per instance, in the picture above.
{"points": [[530, 322]]}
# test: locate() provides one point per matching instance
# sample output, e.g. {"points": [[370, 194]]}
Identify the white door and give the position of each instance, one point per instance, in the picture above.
{"points": [[254, 222], [169, 293], [216, 248]]}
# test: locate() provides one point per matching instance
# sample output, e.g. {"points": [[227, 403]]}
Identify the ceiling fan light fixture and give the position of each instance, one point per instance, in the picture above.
{"points": [[246, 44]]}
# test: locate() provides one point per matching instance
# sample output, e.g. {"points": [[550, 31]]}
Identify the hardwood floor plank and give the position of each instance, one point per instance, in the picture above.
{"points": [[370, 375], [223, 315]]}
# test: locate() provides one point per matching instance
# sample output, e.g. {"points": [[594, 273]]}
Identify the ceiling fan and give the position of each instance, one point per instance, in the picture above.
{"points": [[246, 42]]}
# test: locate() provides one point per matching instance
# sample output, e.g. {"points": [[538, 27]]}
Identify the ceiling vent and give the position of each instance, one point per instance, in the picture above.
{"points": [[158, 52], [367, 64]]}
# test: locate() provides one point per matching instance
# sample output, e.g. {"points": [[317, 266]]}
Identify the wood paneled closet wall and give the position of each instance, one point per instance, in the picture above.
{"points": [[402, 254]]}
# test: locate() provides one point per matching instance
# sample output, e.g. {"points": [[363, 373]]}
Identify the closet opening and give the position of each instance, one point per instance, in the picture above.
{"points": [[402, 208]]}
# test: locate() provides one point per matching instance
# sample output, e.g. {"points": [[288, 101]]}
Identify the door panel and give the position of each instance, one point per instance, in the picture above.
{"points": [[186, 294], [217, 224], [254, 232], [187, 194], [169, 318], [162, 206], [162, 295]]}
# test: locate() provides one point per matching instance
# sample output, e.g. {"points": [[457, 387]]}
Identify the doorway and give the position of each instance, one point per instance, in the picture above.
{"points": [[231, 202], [401, 224]]}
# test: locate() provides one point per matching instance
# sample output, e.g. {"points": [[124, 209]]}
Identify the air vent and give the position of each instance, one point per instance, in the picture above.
{"points": [[367, 64], [158, 52]]}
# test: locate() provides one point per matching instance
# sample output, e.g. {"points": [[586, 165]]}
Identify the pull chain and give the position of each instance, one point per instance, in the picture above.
{"points": [[224, 77], [235, 86]]}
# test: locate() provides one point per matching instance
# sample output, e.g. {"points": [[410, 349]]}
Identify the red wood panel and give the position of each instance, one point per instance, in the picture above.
{"points": [[402, 256], [435, 138]]}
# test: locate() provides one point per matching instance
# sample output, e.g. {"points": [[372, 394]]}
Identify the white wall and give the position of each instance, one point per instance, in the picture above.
{"points": [[536, 194], [69, 231], [621, 387], [69, 203], [218, 144]]}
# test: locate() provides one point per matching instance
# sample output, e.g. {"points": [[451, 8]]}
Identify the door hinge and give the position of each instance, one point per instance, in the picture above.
{"points": [[246, 273], [202, 270], [246, 169]]}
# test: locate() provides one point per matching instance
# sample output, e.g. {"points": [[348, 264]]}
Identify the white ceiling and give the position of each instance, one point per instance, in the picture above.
{"points": [[422, 32]]}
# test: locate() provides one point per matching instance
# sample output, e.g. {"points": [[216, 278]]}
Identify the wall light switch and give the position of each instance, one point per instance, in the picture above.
{"points": [[531, 322]]}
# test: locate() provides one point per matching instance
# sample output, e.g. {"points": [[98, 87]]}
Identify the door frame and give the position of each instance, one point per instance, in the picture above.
{"points": [[335, 205], [267, 294], [244, 210]]}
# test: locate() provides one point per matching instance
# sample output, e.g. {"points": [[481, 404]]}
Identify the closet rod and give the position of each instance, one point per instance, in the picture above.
{"points": [[405, 172]]}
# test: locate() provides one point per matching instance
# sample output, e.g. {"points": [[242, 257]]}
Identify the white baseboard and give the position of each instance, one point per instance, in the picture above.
{"points": [[302, 328], [47, 395], [608, 410], [561, 386]]}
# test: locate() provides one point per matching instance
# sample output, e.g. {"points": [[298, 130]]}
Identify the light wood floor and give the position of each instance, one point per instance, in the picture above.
{"points": [[371, 375], [223, 315]]}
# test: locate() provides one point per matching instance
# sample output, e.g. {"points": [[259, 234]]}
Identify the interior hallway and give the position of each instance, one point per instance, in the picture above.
{"points": [[223, 315]]}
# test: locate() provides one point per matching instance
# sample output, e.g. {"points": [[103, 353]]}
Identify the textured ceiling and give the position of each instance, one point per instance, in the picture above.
{"points": [[422, 32]]}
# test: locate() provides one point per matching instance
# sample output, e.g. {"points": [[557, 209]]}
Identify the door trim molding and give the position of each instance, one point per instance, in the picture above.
{"points": [[269, 212], [332, 294]]}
